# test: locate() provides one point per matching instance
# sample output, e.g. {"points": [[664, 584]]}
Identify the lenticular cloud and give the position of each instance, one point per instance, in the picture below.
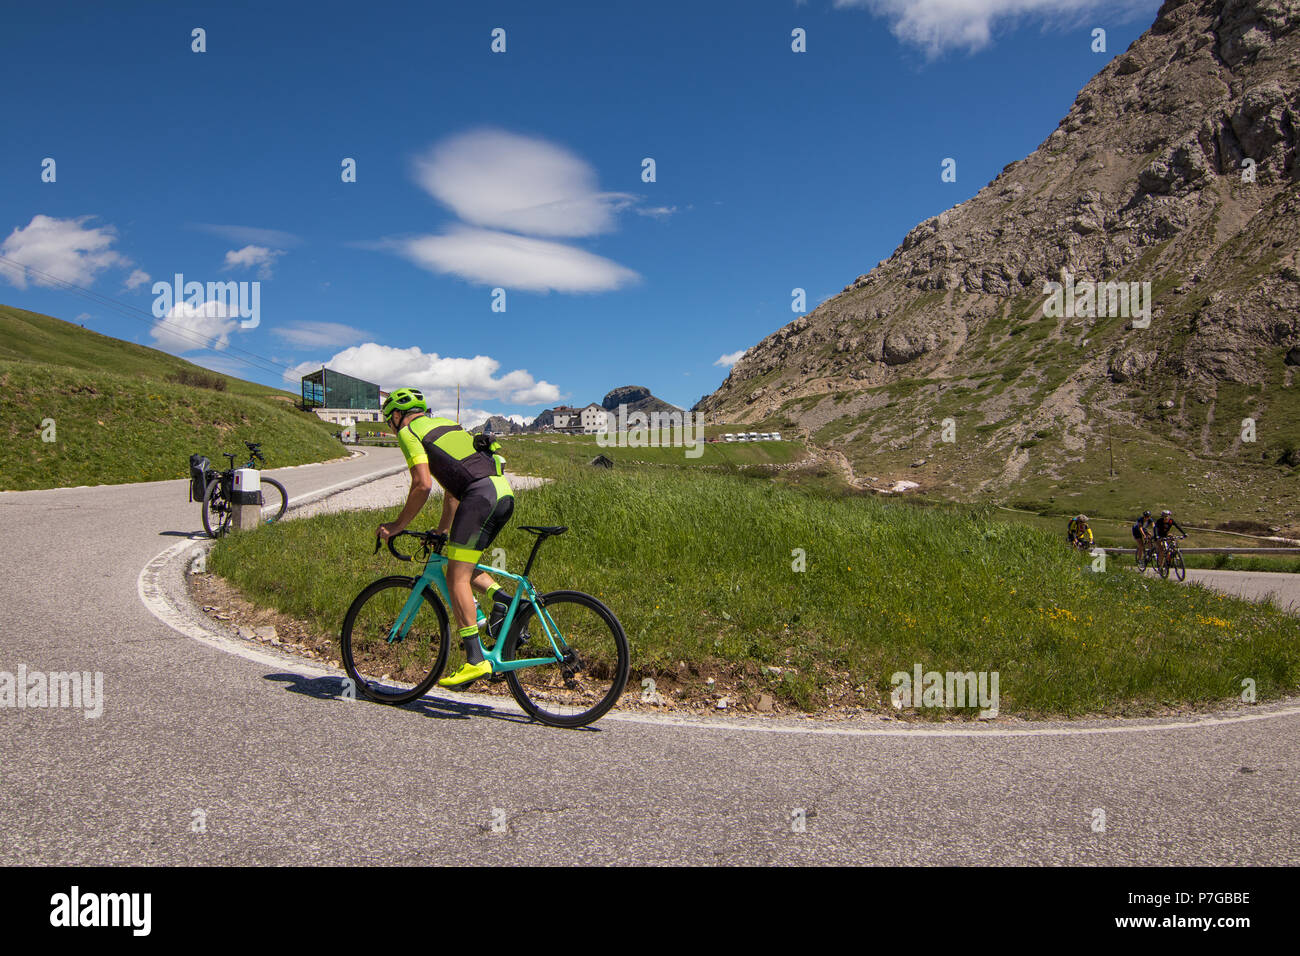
{"points": [[503, 259], [502, 184], [501, 180]]}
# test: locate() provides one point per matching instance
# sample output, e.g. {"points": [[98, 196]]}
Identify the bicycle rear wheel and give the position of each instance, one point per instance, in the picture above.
{"points": [[588, 681], [217, 512], [275, 501], [400, 671]]}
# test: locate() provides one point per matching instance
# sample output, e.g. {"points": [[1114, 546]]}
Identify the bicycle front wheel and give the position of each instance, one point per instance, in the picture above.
{"points": [[594, 660], [274, 500], [394, 672], [216, 511], [1180, 569]]}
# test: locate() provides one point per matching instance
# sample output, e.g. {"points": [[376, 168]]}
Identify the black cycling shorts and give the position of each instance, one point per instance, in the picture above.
{"points": [[480, 516]]}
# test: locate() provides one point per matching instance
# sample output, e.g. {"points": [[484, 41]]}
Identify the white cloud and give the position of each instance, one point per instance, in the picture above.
{"points": [[320, 334], [657, 212], [943, 25], [249, 257], [474, 417], [469, 417], [187, 327], [486, 257], [437, 376], [137, 278], [250, 235], [502, 180], [64, 248], [726, 361]]}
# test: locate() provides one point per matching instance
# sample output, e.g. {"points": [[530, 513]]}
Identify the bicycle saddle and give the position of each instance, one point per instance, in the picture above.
{"points": [[553, 529]]}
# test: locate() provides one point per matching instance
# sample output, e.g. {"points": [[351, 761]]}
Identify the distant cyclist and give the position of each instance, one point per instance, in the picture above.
{"points": [[1143, 532], [1079, 533], [476, 504], [1164, 526]]}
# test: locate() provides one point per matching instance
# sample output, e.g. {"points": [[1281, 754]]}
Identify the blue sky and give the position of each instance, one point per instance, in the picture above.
{"points": [[519, 170]]}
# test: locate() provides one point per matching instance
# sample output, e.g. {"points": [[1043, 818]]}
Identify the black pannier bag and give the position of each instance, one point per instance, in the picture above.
{"points": [[199, 467]]}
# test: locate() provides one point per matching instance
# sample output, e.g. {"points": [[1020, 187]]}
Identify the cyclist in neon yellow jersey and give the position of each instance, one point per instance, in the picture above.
{"points": [[476, 504]]}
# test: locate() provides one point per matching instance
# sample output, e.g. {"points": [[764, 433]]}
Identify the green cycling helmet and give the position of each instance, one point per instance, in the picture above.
{"points": [[405, 400]]}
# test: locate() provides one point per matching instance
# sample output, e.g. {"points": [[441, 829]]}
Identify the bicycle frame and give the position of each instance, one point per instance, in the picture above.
{"points": [[435, 574]]}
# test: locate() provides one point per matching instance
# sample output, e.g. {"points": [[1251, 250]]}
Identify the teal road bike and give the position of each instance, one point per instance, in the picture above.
{"points": [[563, 654]]}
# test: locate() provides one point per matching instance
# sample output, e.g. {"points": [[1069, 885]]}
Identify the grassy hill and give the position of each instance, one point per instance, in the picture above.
{"points": [[32, 337], [124, 412], [876, 588]]}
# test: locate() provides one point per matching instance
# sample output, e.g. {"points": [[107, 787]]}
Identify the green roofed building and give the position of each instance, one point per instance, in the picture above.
{"points": [[335, 396]]}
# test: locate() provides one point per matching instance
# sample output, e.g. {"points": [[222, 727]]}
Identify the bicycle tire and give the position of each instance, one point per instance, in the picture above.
{"points": [[1162, 565], [216, 511], [401, 692], [539, 695], [1140, 559], [1180, 569], [284, 500]]}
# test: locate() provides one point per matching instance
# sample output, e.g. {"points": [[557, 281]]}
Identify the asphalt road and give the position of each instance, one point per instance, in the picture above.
{"points": [[268, 766], [1281, 588]]}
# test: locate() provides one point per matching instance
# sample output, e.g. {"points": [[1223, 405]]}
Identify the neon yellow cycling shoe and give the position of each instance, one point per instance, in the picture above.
{"points": [[468, 673]]}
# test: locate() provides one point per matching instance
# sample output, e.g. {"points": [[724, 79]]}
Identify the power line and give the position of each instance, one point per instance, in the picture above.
{"points": [[251, 359]]}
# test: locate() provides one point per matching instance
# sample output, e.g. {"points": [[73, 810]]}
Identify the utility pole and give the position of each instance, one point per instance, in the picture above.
{"points": [[458, 403]]}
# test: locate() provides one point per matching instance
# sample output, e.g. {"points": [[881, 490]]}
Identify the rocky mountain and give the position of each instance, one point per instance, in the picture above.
{"points": [[958, 363], [637, 398], [498, 425]]}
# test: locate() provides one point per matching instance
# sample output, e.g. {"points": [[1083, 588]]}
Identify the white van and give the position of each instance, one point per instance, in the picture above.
{"points": [[728, 437]]}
